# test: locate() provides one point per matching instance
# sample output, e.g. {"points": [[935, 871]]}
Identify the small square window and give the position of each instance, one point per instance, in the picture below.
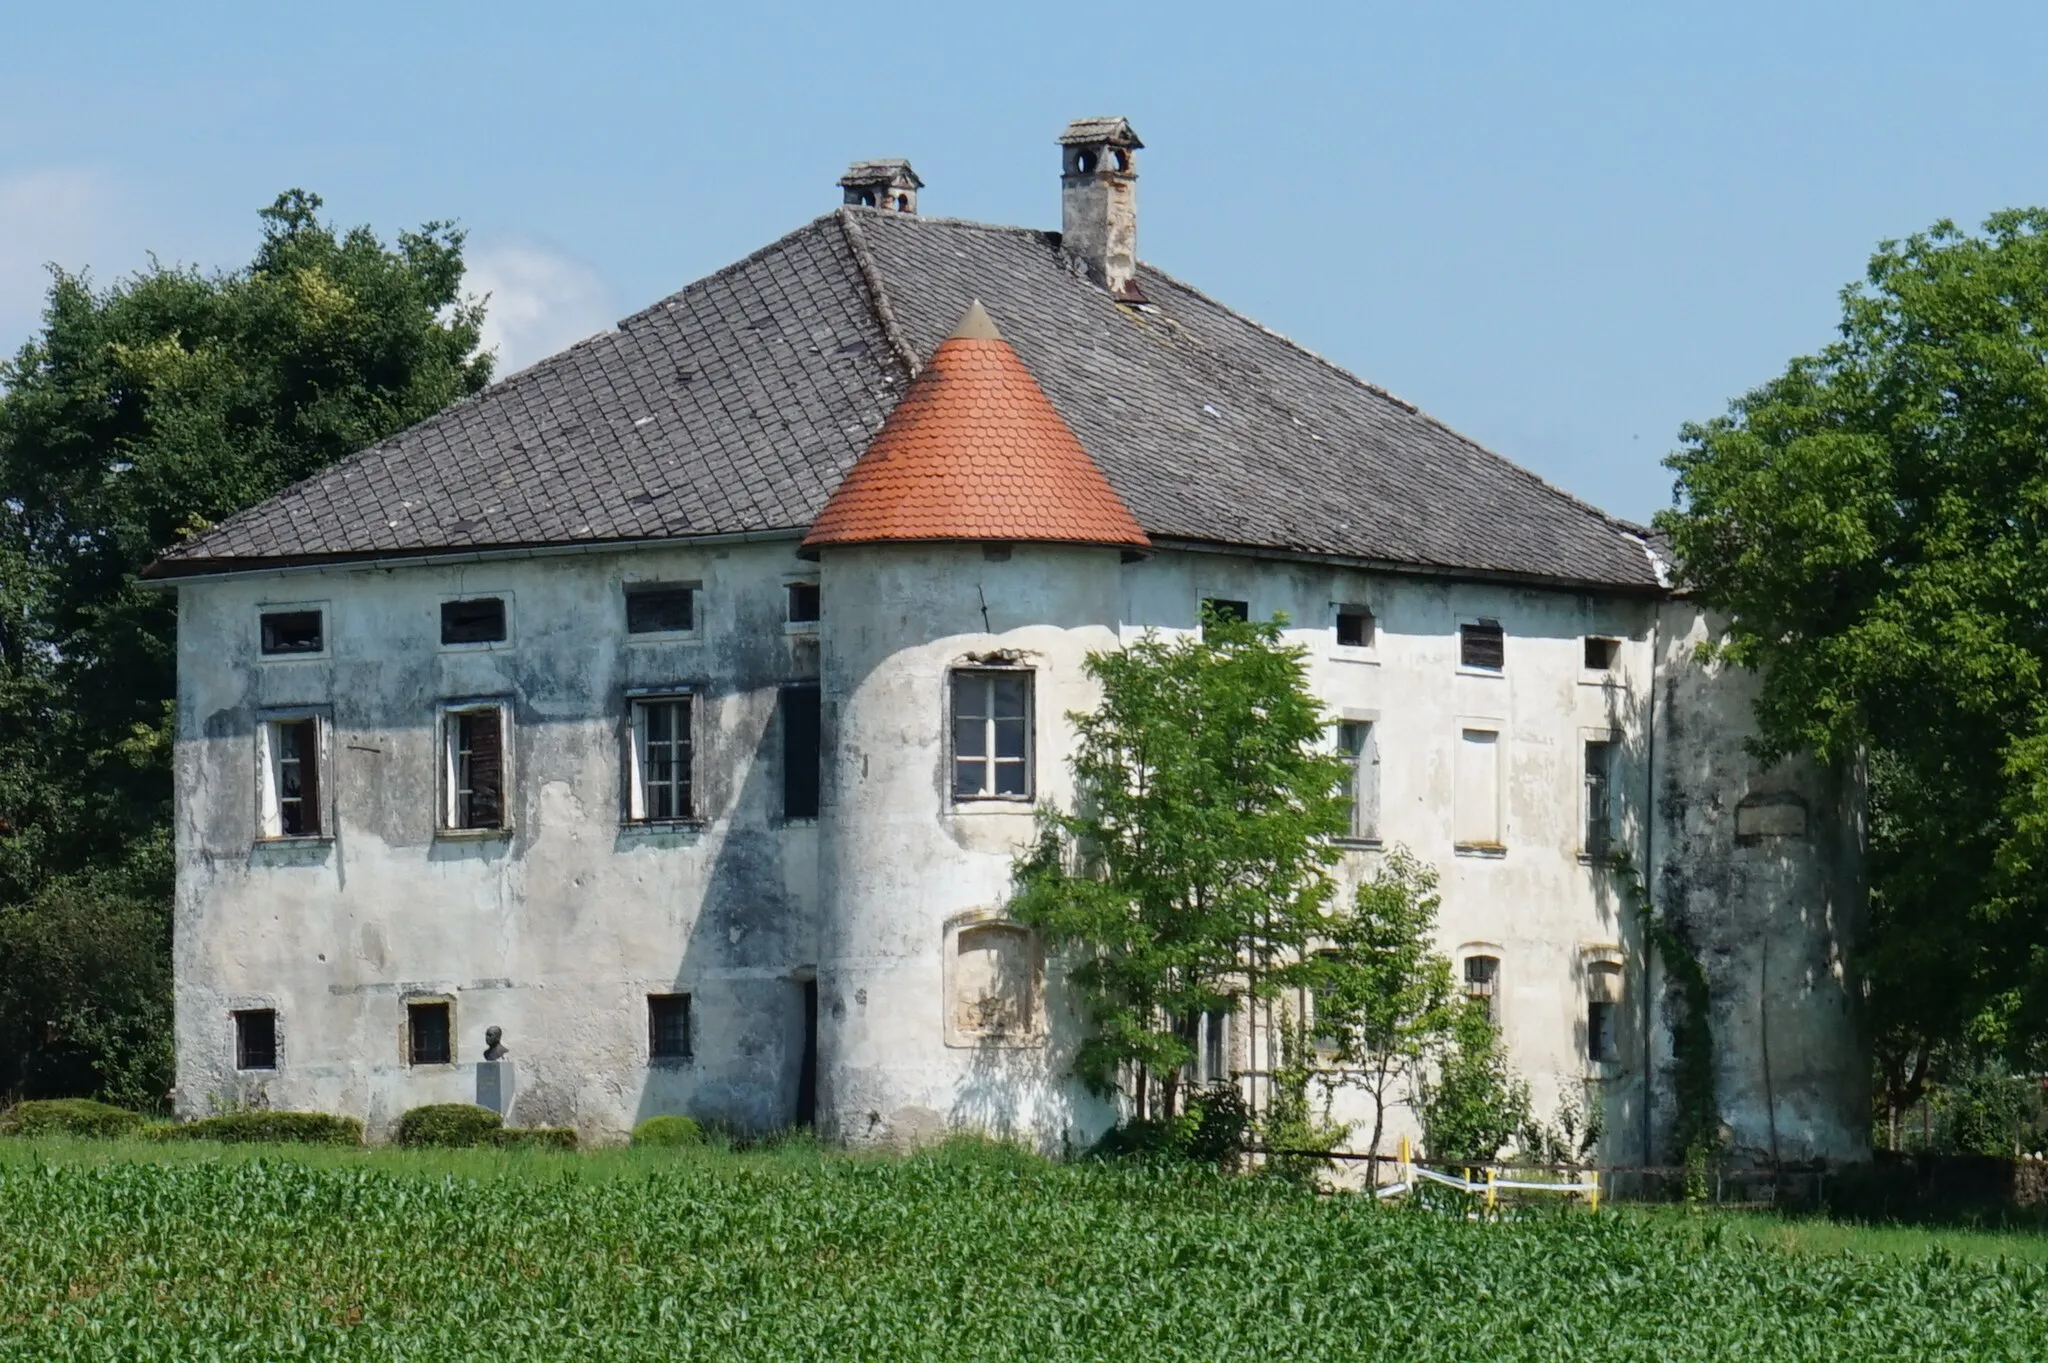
{"points": [[256, 1039], [429, 1037], [1600, 653], [480, 620], [661, 609], [1222, 608], [1482, 645], [668, 1026], [1354, 627], [803, 603], [289, 632]]}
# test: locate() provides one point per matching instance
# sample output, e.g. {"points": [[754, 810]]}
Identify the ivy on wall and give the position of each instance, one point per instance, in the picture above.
{"points": [[1696, 1125]]}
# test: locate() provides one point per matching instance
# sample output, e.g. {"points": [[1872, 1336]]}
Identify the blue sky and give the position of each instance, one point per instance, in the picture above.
{"points": [[1565, 230]]}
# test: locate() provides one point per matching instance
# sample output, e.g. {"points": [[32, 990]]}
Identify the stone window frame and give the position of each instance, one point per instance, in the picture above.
{"points": [[1603, 960], [323, 609], [790, 582], [269, 828], [1496, 988], [445, 825], [632, 742], [1037, 1031], [1370, 719], [694, 634], [428, 998], [231, 1032]]}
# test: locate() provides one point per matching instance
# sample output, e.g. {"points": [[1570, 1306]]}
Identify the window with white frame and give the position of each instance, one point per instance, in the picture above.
{"points": [[292, 756], [992, 733], [1599, 797], [474, 767], [662, 758], [1358, 740]]}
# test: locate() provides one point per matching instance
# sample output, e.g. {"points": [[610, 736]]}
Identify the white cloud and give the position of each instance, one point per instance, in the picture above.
{"points": [[540, 301], [65, 215]]}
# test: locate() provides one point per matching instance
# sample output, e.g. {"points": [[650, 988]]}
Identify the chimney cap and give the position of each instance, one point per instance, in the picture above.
{"points": [[889, 170], [1116, 132]]}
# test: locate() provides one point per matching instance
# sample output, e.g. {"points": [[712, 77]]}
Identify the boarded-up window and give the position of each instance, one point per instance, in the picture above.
{"points": [[1478, 800], [475, 741], [1482, 645], [994, 979], [801, 716], [1358, 740]]}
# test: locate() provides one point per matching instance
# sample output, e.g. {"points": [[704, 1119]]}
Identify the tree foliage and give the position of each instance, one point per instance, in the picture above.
{"points": [[1193, 873], [141, 413], [1872, 522], [1474, 1103]]}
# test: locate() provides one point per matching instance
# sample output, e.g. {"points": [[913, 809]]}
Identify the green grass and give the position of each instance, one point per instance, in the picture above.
{"points": [[179, 1252]]}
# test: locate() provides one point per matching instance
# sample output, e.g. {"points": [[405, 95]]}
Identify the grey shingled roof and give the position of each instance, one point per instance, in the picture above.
{"points": [[737, 405]]}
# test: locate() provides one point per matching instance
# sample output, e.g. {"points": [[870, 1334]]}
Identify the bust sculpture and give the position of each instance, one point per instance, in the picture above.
{"points": [[494, 1043]]}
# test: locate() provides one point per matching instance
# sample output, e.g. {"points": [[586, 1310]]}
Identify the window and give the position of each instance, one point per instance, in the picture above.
{"points": [[1220, 608], [1599, 783], [801, 726], [1207, 1034], [1358, 742], [1482, 984], [803, 603], [1481, 645], [661, 609], [662, 759], [256, 1039], [475, 776], [291, 796], [1600, 653], [1603, 1012], [429, 1037], [289, 632], [477, 621], [991, 734], [993, 985], [668, 1026], [1478, 801], [1354, 627]]}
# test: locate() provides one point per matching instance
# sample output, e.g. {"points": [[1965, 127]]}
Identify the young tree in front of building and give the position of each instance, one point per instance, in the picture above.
{"points": [[1385, 1008], [1193, 873], [1472, 1103], [1874, 524], [139, 413]]}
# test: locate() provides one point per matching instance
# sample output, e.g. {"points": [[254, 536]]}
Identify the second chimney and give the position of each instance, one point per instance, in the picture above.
{"points": [[1099, 202], [889, 184]]}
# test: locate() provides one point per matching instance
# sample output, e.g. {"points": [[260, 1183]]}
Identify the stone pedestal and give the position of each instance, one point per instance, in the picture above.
{"points": [[494, 1086]]}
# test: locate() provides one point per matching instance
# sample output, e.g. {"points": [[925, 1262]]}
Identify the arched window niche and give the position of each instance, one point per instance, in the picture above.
{"points": [[995, 982]]}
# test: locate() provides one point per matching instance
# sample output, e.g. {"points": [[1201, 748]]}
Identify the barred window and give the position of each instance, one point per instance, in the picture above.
{"points": [[668, 1026], [256, 1039], [429, 1035], [662, 759]]}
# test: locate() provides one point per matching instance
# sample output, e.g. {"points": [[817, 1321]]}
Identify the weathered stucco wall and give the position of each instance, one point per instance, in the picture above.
{"points": [[557, 930]]}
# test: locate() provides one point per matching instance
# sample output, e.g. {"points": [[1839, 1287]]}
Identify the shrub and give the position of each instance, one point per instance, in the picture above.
{"points": [[270, 1128], [449, 1125], [668, 1131], [535, 1137], [70, 1117]]}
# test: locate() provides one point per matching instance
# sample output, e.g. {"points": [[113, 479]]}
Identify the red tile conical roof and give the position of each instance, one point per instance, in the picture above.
{"points": [[975, 451]]}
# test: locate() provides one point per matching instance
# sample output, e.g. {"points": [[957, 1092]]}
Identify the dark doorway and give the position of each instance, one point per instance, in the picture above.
{"points": [[807, 1067]]}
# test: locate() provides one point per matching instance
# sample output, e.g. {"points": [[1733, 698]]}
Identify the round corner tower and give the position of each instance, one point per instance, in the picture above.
{"points": [[972, 557]]}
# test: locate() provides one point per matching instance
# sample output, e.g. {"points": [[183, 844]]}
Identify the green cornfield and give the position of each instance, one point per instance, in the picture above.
{"points": [[278, 1255]]}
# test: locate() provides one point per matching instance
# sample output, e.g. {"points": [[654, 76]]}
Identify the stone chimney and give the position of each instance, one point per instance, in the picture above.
{"points": [[1099, 201], [889, 184]]}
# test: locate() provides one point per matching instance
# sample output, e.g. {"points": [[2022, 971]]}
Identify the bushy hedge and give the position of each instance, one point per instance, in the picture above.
{"points": [[448, 1125], [536, 1138], [70, 1117], [282, 1128], [668, 1131]]}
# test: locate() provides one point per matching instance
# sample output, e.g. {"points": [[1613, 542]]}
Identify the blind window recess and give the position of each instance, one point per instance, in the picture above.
{"points": [[663, 788], [475, 768]]}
